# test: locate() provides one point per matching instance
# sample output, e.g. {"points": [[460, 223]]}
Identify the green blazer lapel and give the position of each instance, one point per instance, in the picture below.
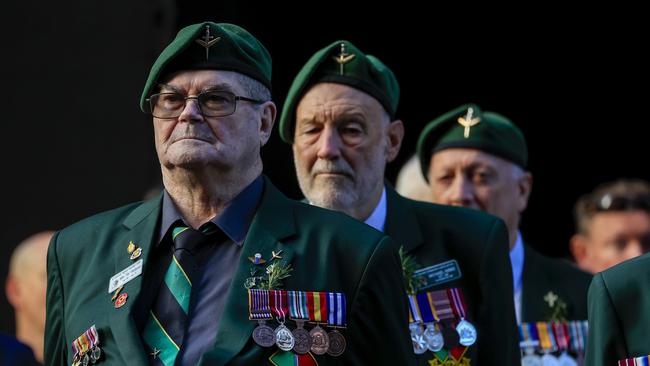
{"points": [[273, 222], [140, 225], [401, 222]]}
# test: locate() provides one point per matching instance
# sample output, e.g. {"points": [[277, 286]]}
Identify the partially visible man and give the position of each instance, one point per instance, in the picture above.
{"points": [[339, 117], [166, 281], [619, 299], [410, 183], [478, 159], [26, 287], [15, 353], [613, 224]]}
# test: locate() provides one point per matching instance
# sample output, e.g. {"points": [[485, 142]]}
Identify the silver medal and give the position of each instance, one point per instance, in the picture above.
{"points": [[320, 341], [95, 354], [264, 335], [434, 338], [417, 338], [531, 360], [550, 360], [337, 343], [566, 360], [284, 338], [467, 333]]}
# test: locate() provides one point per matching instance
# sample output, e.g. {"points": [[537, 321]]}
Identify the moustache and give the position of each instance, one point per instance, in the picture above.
{"points": [[330, 167]]}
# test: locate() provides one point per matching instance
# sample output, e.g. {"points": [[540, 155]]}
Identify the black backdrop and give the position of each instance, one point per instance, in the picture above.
{"points": [[75, 143]]}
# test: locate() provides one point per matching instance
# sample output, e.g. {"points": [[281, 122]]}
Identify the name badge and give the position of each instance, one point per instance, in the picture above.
{"points": [[437, 274], [125, 275]]}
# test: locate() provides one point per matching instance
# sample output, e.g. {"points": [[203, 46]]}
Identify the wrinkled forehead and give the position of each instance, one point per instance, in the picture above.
{"points": [[337, 98], [185, 81], [464, 158]]}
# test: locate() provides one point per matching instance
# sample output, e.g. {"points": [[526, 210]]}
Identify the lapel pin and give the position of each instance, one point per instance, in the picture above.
{"points": [[276, 255], [257, 259], [121, 300]]}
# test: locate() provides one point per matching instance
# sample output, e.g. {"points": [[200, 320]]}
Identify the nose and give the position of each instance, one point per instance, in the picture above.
{"points": [[329, 144], [461, 192], [192, 111]]}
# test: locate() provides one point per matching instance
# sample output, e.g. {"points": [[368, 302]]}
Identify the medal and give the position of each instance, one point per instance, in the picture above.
{"points": [[264, 335], [86, 348], [299, 312], [320, 342], [284, 338], [417, 339], [336, 317], [302, 339], [566, 360], [465, 329], [531, 360], [550, 360], [278, 300], [337, 343], [433, 338], [259, 309]]}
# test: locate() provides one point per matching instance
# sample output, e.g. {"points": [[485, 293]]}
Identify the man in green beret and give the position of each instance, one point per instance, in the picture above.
{"points": [[339, 117], [478, 159], [221, 268]]}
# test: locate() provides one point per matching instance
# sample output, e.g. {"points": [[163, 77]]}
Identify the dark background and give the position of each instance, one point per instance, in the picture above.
{"points": [[74, 142]]}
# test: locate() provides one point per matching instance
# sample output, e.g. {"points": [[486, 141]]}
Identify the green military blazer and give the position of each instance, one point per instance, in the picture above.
{"points": [[479, 243], [542, 275], [619, 316], [328, 251]]}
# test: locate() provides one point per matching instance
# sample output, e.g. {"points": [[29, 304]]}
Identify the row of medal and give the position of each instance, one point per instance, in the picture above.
{"points": [[635, 361], [553, 343], [86, 348], [321, 308], [437, 321]]}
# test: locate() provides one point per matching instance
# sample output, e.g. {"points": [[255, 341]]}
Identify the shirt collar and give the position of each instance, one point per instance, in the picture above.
{"points": [[235, 219], [377, 218], [517, 262]]}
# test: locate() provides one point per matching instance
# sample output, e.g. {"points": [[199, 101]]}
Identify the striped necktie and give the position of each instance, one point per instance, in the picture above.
{"points": [[168, 317]]}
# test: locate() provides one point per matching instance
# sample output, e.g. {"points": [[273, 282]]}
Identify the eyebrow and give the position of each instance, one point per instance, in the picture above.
{"points": [[210, 87]]}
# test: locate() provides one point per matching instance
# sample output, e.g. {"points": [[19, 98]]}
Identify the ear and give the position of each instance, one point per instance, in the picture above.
{"points": [[267, 119], [525, 186], [12, 290], [395, 134], [578, 247]]}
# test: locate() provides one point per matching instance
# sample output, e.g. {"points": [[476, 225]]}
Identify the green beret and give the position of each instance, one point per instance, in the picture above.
{"points": [[341, 62], [211, 46], [468, 127]]}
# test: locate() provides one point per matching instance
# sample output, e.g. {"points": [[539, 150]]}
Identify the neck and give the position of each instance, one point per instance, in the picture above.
{"points": [[363, 211], [200, 196], [31, 336]]}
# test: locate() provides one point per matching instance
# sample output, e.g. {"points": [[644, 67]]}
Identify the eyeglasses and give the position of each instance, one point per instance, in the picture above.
{"points": [[214, 103], [609, 202]]}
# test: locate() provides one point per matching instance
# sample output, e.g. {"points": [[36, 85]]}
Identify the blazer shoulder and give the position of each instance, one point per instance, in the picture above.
{"points": [[444, 213], [318, 219], [101, 220], [629, 274], [559, 269]]}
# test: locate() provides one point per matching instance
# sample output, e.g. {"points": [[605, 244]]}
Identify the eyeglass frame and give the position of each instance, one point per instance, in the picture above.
{"points": [[196, 97]]}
